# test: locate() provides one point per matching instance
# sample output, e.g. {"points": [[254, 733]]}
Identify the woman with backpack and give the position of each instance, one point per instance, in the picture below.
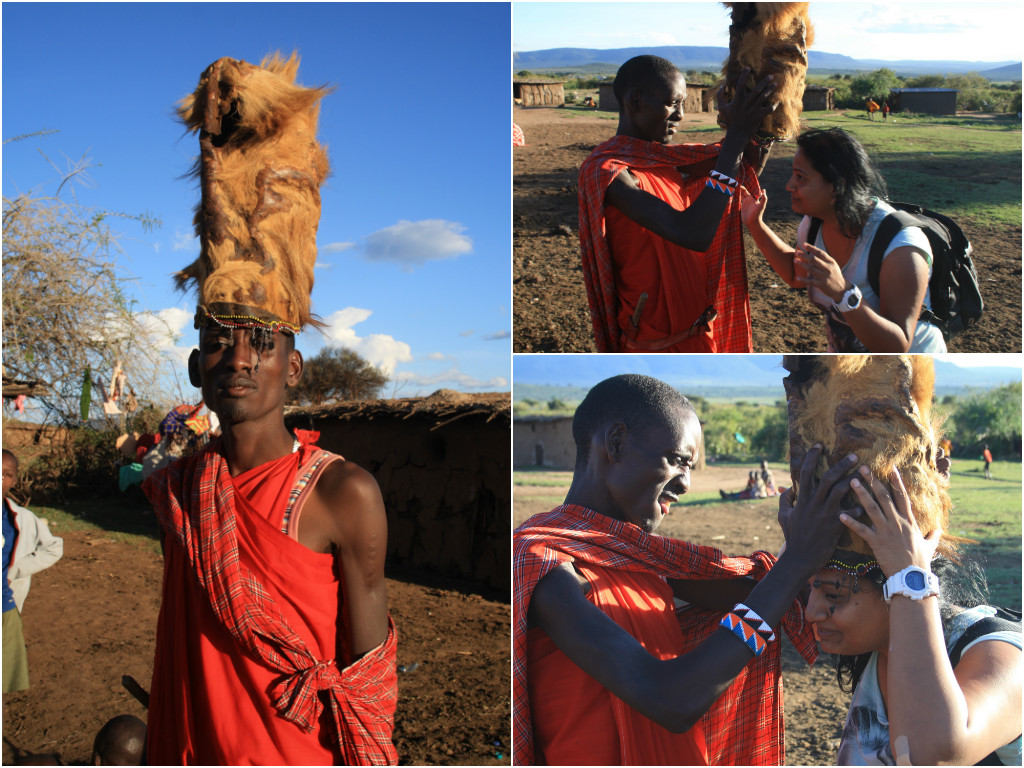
{"points": [[935, 673], [834, 186]]}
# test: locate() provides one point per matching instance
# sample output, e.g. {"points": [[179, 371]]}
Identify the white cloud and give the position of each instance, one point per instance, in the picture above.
{"points": [[335, 247], [413, 243], [165, 328], [497, 336], [185, 241], [381, 350], [437, 356], [467, 333], [452, 378]]}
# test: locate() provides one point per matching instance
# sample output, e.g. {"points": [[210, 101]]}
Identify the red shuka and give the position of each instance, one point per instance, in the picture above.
{"points": [[576, 720], [725, 264], [252, 632]]}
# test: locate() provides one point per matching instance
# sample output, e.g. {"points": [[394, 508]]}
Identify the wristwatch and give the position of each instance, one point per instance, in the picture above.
{"points": [[913, 582], [851, 300]]}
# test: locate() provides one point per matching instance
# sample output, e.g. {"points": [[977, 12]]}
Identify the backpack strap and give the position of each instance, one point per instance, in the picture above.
{"points": [[1001, 622], [812, 232], [888, 228]]}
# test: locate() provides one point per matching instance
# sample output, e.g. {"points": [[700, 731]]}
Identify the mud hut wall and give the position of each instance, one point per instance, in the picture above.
{"points": [[819, 98], [606, 101], [539, 94], [543, 443], [446, 490]]}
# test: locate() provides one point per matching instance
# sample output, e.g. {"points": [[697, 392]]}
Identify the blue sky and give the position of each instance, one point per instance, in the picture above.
{"points": [[414, 240], [905, 30]]}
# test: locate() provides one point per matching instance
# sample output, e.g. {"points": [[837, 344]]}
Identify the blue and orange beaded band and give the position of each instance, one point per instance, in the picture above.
{"points": [[748, 627]]}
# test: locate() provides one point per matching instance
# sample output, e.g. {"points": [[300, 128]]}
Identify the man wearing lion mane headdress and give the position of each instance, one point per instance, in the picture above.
{"points": [[274, 643], [935, 672]]}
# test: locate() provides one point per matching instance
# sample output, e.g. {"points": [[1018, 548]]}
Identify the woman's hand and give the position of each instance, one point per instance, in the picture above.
{"points": [[894, 536], [752, 209], [822, 271]]}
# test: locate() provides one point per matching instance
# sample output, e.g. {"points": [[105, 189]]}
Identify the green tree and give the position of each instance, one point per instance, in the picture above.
{"points": [[927, 81], [992, 417], [874, 85], [337, 374]]}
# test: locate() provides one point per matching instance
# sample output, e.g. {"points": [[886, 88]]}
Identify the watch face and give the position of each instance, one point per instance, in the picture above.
{"points": [[914, 580], [853, 301]]}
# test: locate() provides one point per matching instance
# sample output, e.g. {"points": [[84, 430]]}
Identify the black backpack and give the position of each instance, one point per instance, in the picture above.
{"points": [[955, 294]]}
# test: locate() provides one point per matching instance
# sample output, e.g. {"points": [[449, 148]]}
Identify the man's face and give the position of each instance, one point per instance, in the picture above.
{"points": [[232, 385], [653, 469], [660, 109], [10, 471]]}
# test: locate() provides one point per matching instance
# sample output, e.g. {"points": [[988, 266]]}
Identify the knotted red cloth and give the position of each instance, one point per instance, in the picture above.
{"points": [[726, 263], [745, 725], [196, 502]]}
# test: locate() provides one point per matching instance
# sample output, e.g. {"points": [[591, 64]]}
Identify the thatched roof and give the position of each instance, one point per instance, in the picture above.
{"points": [[13, 387], [442, 407]]}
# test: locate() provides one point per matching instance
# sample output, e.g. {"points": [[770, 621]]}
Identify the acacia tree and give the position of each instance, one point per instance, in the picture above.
{"points": [[335, 374], [67, 318]]}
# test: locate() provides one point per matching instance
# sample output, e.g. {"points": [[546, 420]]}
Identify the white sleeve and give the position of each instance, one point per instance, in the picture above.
{"points": [[916, 239]]}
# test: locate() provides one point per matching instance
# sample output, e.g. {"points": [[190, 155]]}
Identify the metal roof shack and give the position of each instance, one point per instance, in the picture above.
{"points": [[538, 93], [929, 101]]}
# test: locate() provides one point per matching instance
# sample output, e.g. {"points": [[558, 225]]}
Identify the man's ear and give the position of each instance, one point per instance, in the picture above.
{"points": [[193, 369], [614, 441], [633, 97], [295, 366]]}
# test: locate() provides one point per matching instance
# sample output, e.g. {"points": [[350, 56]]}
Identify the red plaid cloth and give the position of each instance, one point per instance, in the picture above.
{"points": [[726, 263], [194, 500], [518, 139], [745, 725]]}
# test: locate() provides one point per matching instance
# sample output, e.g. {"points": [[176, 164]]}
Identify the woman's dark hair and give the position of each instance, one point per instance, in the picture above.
{"points": [[843, 163], [963, 586]]}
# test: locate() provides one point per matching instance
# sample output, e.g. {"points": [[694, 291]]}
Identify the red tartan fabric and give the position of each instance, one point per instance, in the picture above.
{"points": [[744, 726], [518, 139], [196, 503], [726, 263]]}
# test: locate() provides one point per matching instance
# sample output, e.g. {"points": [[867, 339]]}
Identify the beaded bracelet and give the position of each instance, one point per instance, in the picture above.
{"points": [[744, 632], [759, 624], [724, 179], [719, 187]]}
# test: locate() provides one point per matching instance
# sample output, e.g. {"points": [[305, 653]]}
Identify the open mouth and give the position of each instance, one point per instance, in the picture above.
{"points": [[666, 500]]}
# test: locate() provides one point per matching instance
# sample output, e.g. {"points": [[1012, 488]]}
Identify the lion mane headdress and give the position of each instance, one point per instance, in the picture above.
{"points": [[878, 407], [260, 169], [771, 39]]}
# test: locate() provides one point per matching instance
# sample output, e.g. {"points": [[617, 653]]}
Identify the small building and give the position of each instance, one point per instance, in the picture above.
{"points": [[543, 441], [928, 101], [538, 93], [699, 98], [819, 97]]}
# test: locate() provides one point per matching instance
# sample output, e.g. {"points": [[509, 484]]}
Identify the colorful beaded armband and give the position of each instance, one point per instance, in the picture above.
{"points": [[719, 187], [759, 624], [728, 180], [744, 632]]}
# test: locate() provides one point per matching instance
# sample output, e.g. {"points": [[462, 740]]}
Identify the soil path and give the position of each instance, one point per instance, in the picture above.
{"points": [[550, 303], [91, 618], [815, 708]]}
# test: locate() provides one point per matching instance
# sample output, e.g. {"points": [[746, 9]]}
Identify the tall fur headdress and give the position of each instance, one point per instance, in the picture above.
{"points": [[260, 169], [771, 39], [878, 407]]}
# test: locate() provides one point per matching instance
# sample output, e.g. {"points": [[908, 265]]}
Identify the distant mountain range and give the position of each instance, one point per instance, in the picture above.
{"points": [[701, 58], [542, 377]]}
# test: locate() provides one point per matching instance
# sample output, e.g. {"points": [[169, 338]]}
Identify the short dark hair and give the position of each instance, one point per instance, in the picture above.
{"points": [[635, 400], [10, 455], [641, 72], [844, 163]]}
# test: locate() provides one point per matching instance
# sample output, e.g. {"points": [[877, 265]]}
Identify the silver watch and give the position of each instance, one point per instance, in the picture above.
{"points": [[851, 300], [913, 582]]}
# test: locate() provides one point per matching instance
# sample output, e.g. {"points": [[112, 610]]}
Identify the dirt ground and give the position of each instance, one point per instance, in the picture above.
{"points": [[815, 708], [550, 303], [91, 618]]}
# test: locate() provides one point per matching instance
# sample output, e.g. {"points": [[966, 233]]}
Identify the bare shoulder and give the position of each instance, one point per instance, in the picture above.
{"points": [[352, 501]]}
